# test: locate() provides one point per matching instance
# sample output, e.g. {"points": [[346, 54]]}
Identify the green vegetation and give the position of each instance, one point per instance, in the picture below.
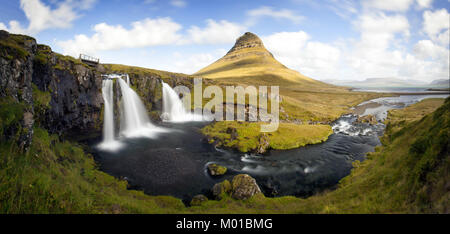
{"points": [[58, 177], [40, 97], [215, 169], [132, 70], [408, 174], [10, 115], [12, 46], [245, 136]]}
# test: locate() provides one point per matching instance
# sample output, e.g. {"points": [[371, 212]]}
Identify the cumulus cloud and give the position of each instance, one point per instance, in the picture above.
{"points": [[389, 5], [297, 51], [436, 25], [147, 32], [42, 17], [215, 32], [424, 3], [381, 50], [190, 63], [265, 11]]}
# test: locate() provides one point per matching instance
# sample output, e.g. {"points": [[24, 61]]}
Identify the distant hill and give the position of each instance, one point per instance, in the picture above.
{"points": [[378, 83], [441, 82], [389, 82]]}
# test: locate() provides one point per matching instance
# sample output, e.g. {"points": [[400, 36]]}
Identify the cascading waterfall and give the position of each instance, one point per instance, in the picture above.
{"points": [[108, 143], [134, 121], [173, 108], [128, 80]]}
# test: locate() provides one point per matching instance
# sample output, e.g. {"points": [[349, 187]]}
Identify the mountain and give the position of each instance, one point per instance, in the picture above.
{"points": [[249, 58], [248, 62], [379, 83], [440, 82]]}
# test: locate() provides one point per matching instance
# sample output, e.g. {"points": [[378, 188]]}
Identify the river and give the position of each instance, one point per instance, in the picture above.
{"points": [[175, 161]]}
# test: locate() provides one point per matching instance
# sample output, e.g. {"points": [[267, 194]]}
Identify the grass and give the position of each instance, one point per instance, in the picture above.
{"points": [[408, 174], [12, 46], [58, 177], [247, 135]]}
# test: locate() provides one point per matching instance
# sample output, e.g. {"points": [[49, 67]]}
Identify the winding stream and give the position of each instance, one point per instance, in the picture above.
{"points": [[174, 162]]}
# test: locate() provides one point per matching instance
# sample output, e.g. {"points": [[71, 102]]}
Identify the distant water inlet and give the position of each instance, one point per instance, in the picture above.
{"points": [[173, 108]]}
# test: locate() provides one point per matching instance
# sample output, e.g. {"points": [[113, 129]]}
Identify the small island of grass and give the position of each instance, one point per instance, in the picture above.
{"points": [[246, 136]]}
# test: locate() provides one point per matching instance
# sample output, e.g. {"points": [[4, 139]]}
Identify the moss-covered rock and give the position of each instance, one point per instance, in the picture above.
{"points": [[216, 170], [244, 187], [221, 189], [197, 200]]}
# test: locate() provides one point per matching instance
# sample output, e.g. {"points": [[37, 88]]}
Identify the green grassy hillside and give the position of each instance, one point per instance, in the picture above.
{"points": [[408, 174]]}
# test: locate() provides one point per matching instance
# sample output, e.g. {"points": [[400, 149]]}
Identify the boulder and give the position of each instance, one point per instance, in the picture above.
{"points": [[220, 189], [370, 119], [263, 144], [216, 170], [244, 187], [197, 200]]}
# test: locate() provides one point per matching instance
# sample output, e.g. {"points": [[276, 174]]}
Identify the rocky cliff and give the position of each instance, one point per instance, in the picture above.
{"points": [[60, 93]]}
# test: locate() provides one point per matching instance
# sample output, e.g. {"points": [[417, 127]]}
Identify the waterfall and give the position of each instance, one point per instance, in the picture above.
{"points": [[134, 121], [128, 80], [108, 142], [173, 108]]}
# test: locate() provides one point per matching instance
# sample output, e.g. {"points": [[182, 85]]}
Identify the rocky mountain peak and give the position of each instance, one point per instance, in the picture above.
{"points": [[248, 40]]}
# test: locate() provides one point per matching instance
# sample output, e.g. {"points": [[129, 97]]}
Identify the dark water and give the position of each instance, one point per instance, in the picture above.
{"points": [[174, 163]]}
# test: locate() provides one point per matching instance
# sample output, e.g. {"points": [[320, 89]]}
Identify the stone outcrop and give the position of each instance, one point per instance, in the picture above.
{"points": [[220, 189], [197, 200], [370, 119], [216, 170], [244, 187]]}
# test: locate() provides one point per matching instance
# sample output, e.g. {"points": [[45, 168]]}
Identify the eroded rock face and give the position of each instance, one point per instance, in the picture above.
{"points": [[16, 69], [244, 187]]}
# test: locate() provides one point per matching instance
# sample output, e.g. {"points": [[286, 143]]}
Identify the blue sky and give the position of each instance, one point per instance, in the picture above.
{"points": [[329, 39]]}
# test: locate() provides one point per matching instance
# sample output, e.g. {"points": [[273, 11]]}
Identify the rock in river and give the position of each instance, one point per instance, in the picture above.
{"points": [[244, 187], [216, 170]]}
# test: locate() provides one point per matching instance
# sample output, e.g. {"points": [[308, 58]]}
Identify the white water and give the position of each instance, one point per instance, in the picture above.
{"points": [[134, 121], [108, 143], [128, 80], [173, 108]]}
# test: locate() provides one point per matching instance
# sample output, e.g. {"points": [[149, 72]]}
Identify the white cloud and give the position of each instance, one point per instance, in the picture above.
{"points": [[436, 25], [424, 3], [378, 30], [147, 32], [42, 17], [190, 63], [425, 49], [178, 3], [216, 32], [265, 11], [295, 50], [389, 5]]}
